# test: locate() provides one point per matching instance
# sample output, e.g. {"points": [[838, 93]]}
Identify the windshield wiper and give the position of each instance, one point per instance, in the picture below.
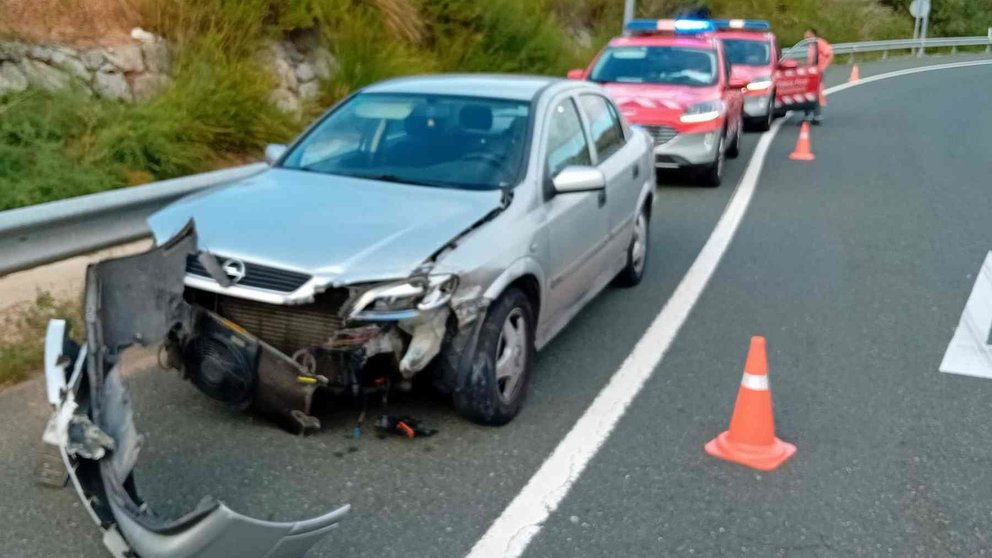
{"points": [[404, 180]]}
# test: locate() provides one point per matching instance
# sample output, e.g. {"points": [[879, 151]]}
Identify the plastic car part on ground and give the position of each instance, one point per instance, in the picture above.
{"points": [[138, 300]]}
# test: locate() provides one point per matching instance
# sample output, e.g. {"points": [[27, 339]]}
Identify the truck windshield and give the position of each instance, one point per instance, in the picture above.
{"points": [[656, 64], [742, 52], [422, 139]]}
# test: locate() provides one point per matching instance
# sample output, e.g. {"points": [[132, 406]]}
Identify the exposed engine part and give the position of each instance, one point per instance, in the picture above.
{"points": [[427, 335], [222, 363]]}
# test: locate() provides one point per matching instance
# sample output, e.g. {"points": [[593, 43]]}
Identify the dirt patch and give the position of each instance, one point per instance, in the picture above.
{"points": [[73, 22]]}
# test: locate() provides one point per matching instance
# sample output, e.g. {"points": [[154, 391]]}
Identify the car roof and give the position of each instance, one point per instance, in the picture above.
{"points": [[691, 41], [494, 86]]}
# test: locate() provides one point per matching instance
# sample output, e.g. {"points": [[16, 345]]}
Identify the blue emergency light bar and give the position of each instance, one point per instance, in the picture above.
{"points": [[675, 26], [742, 24]]}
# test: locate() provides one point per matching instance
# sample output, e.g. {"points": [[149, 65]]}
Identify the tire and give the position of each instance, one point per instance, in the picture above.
{"points": [[735, 148], [482, 396], [637, 252], [765, 123], [712, 174]]}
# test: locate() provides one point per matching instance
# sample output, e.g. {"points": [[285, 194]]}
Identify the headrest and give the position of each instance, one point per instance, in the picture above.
{"points": [[476, 117]]}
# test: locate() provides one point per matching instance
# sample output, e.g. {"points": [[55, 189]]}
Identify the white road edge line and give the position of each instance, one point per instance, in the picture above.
{"points": [[524, 517]]}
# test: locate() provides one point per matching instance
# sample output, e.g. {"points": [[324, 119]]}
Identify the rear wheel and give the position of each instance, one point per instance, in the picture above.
{"points": [[712, 174], [494, 389], [637, 252], [765, 123]]}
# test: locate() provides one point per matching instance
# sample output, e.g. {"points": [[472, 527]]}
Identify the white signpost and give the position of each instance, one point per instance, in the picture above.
{"points": [[920, 9]]}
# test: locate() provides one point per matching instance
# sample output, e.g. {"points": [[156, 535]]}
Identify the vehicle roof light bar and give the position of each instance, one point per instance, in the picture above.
{"points": [[743, 24], [669, 26]]}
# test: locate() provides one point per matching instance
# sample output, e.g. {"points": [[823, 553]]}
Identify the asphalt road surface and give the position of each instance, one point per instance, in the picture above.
{"points": [[856, 268]]}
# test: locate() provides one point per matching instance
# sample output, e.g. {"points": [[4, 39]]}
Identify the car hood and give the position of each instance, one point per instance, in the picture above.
{"points": [[657, 104], [337, 228]]}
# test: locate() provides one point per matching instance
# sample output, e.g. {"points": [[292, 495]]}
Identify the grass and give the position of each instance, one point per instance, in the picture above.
{"points": [[22, 333]]}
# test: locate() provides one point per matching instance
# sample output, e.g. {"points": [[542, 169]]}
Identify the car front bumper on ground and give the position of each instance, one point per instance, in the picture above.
{"points": [[137, 300], [687, 150]]}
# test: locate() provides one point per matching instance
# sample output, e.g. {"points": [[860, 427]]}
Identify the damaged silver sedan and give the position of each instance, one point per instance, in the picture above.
{"points": [[444, 226]]}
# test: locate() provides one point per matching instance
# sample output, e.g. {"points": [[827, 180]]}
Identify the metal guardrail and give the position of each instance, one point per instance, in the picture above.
{"points": [[48, 232], [917, 45]]}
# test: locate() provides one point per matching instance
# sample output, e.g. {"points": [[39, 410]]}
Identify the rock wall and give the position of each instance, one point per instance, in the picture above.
{"points": [[136, 70], [298, 65], [128, 72]]}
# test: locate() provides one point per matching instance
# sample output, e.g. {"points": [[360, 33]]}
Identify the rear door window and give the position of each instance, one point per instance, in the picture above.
{"points": [[604, 125]]}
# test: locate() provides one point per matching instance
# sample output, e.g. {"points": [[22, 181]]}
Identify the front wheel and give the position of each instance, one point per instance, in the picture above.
{"points": [[493, 391], [712, 174]]}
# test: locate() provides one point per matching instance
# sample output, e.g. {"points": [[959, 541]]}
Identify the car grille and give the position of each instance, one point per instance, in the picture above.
{"points": [[661, 134], [287, 328], [257, 276]]}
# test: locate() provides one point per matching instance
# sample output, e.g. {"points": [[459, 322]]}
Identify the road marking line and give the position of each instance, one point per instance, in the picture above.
{"points": [[524, 517], [969, 353]]}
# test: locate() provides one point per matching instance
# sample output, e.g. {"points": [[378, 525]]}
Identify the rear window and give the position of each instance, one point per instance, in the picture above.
{"points": [[743, 52], [656, 64]]}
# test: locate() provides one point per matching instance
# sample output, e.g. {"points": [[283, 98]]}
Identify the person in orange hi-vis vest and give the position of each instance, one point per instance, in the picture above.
{"points": [[821, 54]]}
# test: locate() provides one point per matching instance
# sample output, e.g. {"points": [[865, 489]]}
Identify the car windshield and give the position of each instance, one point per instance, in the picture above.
{"points": [[743, 52], [430, 140], [656, 64]]}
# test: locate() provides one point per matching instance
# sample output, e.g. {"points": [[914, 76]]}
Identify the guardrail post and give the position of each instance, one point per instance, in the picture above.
{"points": [[885, 54], [954, 49]]}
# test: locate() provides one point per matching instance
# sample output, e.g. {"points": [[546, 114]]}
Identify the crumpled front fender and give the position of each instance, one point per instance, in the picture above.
{"points": [[138, 300]]}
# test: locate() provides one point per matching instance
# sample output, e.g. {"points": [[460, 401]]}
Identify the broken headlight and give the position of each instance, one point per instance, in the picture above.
{"points": [[405, 300]]}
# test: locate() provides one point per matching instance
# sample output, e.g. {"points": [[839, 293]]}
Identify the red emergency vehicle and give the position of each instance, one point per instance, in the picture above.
{"points": [[672, 78], [773, 85]]}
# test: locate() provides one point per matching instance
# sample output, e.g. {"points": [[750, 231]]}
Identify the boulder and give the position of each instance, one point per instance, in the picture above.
{"points": [[127, 58], [92, 58], [324, 65], [42, 75], [13, 51], [71, 65], [309, 90], [156, 56], [285, 101], [43, 53], [305, 72], [11, 78], [112, 85], [285, 74]]}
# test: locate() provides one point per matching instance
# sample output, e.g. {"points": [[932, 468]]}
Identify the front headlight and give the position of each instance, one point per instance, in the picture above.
{"points": [[702, 112], [404, 300], [760, 84]]}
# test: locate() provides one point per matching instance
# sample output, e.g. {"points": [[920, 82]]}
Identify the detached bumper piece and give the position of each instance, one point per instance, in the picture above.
{"points": [[139, 300]]}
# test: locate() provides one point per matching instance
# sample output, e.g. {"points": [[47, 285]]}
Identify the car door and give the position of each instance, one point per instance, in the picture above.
{"points": [[621, 162], [577, 222], [797, 79]]}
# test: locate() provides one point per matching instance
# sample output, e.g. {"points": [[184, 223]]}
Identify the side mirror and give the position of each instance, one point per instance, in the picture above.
{"points": [[788, 64], [737, 83], [576, 74], [274, 152], [579, 179]]}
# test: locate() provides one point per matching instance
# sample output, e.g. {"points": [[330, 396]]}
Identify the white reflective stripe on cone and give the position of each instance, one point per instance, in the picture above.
{"points": [[754, 382]]}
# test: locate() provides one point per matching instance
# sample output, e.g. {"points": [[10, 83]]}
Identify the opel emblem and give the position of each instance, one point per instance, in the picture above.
{"points": [[235, 269]]}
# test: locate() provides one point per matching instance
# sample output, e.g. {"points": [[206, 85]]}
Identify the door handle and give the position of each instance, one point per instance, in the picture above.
{"points": [[636, 171], [602, 198]]}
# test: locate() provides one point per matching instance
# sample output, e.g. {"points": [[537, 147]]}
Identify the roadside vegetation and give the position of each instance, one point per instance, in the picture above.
{"points": [[22, 335], [217, 111]]}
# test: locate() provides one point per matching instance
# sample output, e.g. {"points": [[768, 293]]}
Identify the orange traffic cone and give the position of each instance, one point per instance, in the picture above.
{"points": [[803, 152], [855, 75], [751, 439]]}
